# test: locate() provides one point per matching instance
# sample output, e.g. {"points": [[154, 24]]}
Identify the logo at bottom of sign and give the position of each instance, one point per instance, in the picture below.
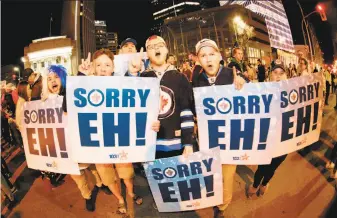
{"points": [[242, 157], [194, 204], [121, 156], [52, 165]]}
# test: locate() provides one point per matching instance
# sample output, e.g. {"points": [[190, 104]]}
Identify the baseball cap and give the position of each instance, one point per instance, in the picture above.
{"points": [[154, 37], [129, 40], [278, 64], [206, 43]]}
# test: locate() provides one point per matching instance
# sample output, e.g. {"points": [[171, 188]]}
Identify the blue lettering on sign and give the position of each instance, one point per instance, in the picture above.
{"points": [[114, 156], [304, 93], [303, 121], [111, 97], [214, 134], [188, 188], [251, 104], [110, 128], [238, 132]]}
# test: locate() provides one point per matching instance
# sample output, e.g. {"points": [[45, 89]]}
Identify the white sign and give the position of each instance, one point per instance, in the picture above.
{"points": [[180, 183], [44, 137], [121, 62], [110, 118], [262, 120]]}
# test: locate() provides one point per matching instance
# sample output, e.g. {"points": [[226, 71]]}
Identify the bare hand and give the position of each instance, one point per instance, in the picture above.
{"points": [[238, 80], [86, 65], [156, 126], [187, 151], [136, 64]]}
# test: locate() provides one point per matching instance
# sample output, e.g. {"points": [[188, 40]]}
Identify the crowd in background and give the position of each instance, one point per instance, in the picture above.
{"points": [[12, 95]]}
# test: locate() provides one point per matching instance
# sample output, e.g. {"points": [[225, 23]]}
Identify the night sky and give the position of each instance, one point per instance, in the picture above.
{"points": [[23, 21]]}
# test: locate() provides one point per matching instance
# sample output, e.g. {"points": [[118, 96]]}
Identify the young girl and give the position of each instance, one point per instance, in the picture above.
{"points": [[103, 65], [264, 173]]}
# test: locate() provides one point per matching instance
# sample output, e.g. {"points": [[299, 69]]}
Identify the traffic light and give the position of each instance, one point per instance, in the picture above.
{"points": [[321, 12]]}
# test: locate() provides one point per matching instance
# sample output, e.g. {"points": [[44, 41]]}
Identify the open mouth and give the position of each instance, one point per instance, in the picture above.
{"points": [[157, 54], [55, 87]]}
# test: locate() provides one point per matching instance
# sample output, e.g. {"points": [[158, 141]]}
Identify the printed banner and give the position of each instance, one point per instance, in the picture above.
{"points": [[258, 122], [121, 62], [241, 122], [44, 130], [110, 118], [191, 183], [301, 107]]}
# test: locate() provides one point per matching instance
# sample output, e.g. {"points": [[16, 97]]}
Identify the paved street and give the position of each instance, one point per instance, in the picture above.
{"points": [[300, 188]]}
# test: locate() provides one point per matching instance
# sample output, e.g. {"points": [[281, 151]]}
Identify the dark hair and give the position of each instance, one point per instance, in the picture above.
{"points": [[22, 90], [305, 61], [170, 55]]}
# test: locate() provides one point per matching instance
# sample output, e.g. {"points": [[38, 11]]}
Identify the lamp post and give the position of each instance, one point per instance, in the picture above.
{"points": [[319, 9]]}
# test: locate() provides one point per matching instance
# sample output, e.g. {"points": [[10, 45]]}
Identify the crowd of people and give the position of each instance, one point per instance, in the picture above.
{"points": [[175, 126]]}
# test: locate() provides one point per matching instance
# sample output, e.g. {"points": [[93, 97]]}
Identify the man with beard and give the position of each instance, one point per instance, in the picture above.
{"points": [[215, 74], [176, 119]]}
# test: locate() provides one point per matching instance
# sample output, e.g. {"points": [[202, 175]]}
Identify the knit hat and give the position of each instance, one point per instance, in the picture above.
{"points": [[206, 43]]}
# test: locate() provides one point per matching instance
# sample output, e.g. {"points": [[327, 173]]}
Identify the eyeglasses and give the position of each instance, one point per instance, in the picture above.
{"points": [[155, 46]]}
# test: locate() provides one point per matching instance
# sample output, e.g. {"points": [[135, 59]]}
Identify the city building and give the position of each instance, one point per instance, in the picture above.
{"points": [[78, 19], [277, 23], [163, 9], [183, 32], [112, 41], [101, 34], [41, 53]]}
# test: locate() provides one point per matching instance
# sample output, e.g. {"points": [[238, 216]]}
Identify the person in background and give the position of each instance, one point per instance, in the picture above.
{"points": [[186, 70], [193, 59], [327, 76], [128, 46], [261, 71], [237, 62], [172, 59], [265, 173], [35, 82], [293, 72], [303, 67]]}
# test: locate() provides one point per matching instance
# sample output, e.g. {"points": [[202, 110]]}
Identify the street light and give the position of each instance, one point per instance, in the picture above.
{"points": [[17, 70], [320, 10]]}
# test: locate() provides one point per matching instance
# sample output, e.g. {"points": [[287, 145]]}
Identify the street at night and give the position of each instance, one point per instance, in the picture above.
{"points": [[169, 108]]}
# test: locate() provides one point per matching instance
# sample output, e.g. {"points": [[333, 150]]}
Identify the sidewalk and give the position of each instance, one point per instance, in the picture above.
{"points": [[300, 188]]}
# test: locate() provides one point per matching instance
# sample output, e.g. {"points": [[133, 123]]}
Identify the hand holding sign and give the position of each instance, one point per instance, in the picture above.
{"points": [[187, 151], [156, 126], [136, 64], [86, 65], [238, 80]]}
